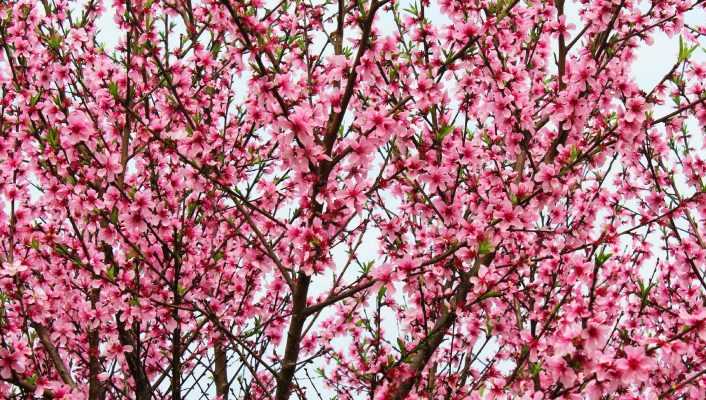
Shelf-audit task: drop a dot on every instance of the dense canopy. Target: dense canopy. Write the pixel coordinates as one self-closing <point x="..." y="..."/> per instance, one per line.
<point x="351" y="199"/>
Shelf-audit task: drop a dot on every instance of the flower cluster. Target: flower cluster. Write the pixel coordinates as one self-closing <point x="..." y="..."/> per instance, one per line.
<point x="379" y="199"/>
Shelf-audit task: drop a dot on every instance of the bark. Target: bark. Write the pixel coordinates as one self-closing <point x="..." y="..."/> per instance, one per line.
<point x="220" y="373"/>
<point x="143" y="390"/>
<point x="53" y="353"/>
<point x="291" y="352"/>
<point x="426" y="349"/>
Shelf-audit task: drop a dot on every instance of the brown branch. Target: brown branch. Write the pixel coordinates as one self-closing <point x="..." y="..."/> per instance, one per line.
<point x="428" y="346"/>
<point x="679" y="386"/>
<point x="143" y="390"/>
<point x="336" y="119"/>
<point x="125" y="139"/>
<point x="678" y="111"/>
<point x="53" y="353"/>
<point x="220" y="372"/>
<point x="27" y="386"/>
<point x="291" y="351"/>
<point x="301" y="289"/>
<point x="95" y="388"/>
<point x="336" y="298"/>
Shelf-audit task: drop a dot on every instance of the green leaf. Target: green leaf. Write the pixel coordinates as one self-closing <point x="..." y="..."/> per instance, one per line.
<point x="684" y="50"/>
<point x="514" y="199"/>
<point x="488" y="295"/>
<point x="412" y="9"/>
<point x="114" y="216"/>
<point x="602" y="257"/>
<point x="485" y="247"/>
<point x="644" y="289"/>
<point x="400" y="344"/>
<point x="486" y="139"/>
<point x="366" y="267"/>
<point x="443" y="132"/>
<point x="54" y="42"/>
<point x="535" y="368"/>
<point x="394" y="74"/>
<point x="62" y="250"/>
<point x="32" y="380"/>
<point x="113" y="89"/>
<point x="112" y="272"/>
<point x="216" y="48"/>
<point x="315" y="242"/>
<point x="575" y="364"/>
<point x="34" y="99"/>
<point x="574" y="154"/>
<point x="381" y="293"/>
<point x="53" y="137"/>
<point x="191" y="208"/>
<point x="488" y="327"/>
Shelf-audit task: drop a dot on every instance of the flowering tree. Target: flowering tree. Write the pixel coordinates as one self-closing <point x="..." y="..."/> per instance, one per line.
<point x="351" y="199"/>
